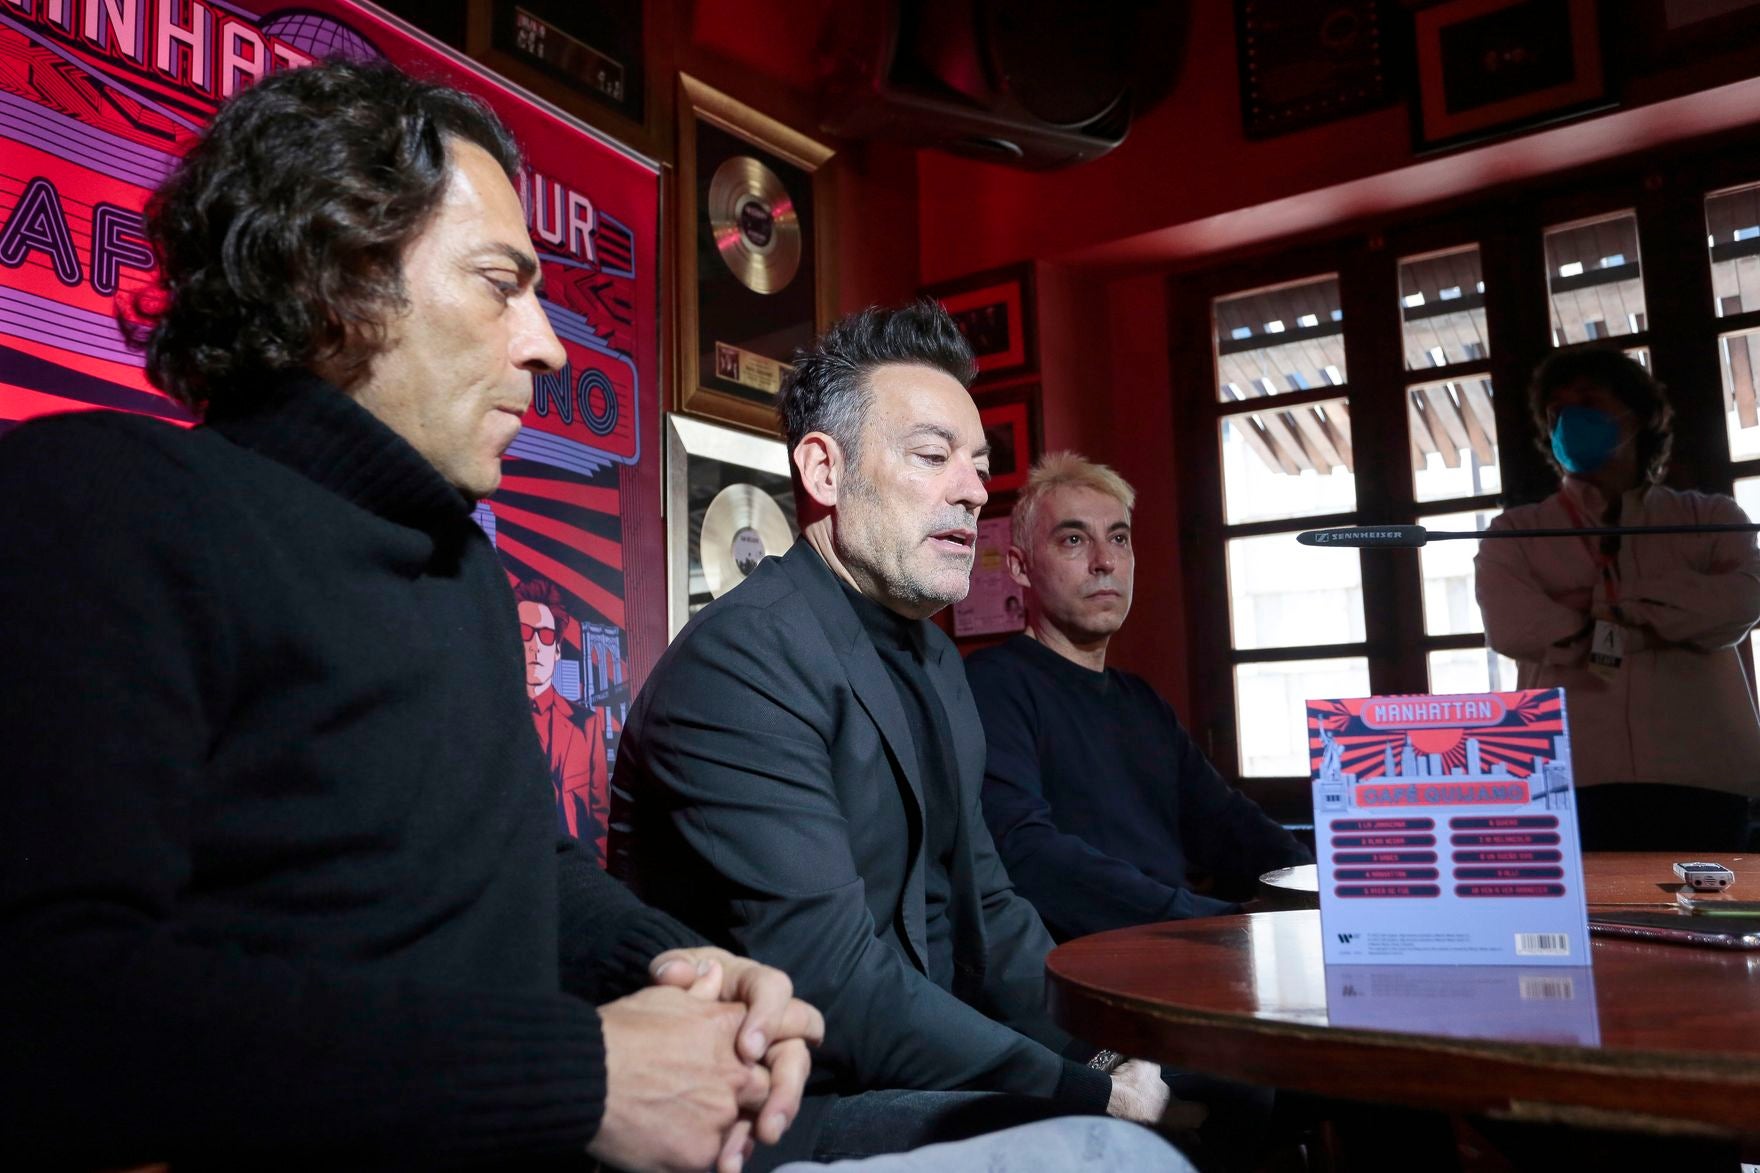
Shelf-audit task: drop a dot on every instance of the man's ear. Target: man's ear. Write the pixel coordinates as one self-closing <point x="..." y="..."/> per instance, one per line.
<point x="1017" y="567"/>
<point x="818" y="459"/>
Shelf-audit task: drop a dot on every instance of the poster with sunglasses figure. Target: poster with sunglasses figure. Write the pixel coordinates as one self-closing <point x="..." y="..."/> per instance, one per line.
<point x="134" y="83"/>
<point x="573" y="735"/>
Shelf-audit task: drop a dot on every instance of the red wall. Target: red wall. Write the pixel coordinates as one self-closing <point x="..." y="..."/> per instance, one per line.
<point x="1106" y="352"/>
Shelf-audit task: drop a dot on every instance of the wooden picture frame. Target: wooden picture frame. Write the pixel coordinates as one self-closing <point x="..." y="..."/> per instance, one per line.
<point x="1303" y="64"/>
<point x="995" y="309"/>
<point x="734" y="340"/>
<point x="543" y="46"/>
<point x="1494" y="67"/>
<point x="1010" y="416"/>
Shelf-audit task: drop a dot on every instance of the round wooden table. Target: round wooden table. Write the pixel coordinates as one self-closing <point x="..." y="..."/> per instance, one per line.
<point x="1614" y="879"/>
<point x="1674" y="1044"/>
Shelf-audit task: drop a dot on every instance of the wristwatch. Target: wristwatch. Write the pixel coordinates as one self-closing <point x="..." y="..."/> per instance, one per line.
<point x="1106" y="1061"/>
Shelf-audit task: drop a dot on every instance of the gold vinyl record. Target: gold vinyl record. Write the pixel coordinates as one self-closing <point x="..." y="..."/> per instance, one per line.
<point x="742" y="525"/>
<point x="756" y="229"/>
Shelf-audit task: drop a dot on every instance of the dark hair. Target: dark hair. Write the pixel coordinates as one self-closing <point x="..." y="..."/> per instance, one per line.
<point x="828" y="389"/>
<point x="1628" y="381"/>
<point x="545" y="593"/>
<point x="280" y="235"/>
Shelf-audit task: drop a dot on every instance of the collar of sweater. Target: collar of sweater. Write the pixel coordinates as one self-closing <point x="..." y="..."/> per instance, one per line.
<point x="1070" y="672"/>
<point x="307" y="424"/>
<point x="889" y="630"/>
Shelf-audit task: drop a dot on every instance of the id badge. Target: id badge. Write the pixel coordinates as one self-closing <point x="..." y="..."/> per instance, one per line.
<point x="1607" y="649"/>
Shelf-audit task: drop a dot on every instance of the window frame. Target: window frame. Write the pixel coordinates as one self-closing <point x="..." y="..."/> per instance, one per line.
<point x="1665" y="191"/>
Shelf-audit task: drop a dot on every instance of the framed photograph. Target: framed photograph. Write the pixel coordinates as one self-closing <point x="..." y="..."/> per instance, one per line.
<point x="1492" y="67"/>
<point x="1303" y="64"/>
<point x="589" y="59"/>
<point x="729" y="503"/>
<point x="996" y="604"/>
<point x="995" y="310"/>
<point x="754" y="249"/>
<point x="1010" y="416"/>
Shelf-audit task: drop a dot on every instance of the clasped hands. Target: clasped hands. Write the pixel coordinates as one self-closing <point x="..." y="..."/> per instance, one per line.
<point x="712" y="1059"/>
<point x="708" y="1061"/>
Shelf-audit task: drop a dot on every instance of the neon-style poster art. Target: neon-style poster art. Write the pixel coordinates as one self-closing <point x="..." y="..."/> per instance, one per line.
<point x="1372" y="737"/>
<point x="98" y="100"/>
<point x="1445" y="830"/>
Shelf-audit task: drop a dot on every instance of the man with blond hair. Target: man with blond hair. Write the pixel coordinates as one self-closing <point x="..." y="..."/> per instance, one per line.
<point x="1096" y="795"/>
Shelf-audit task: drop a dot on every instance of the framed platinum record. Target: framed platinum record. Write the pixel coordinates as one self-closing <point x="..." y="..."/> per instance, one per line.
<point x="729" y="504"/>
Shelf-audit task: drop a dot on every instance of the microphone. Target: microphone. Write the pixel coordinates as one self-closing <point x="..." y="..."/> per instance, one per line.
<point x="1370" y="537"/>
<point x="1367" y="536"/>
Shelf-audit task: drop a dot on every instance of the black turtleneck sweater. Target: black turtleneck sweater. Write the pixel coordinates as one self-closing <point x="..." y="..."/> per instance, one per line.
<point x="279" y="875"/>
<point x="900" y="643"/>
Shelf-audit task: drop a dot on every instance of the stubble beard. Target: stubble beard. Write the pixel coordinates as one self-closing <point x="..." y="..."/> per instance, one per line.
<point x="889" y="560"/>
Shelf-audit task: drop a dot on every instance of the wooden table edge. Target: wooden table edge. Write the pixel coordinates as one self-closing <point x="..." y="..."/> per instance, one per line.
<point x="1681" y="1093"/>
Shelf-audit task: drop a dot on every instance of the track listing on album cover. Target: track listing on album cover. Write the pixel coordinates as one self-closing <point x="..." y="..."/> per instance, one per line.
<point x="1445" y="830"/>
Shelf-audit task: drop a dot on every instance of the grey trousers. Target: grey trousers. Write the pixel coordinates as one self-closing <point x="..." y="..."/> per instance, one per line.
<point x="1064" y="1145"/>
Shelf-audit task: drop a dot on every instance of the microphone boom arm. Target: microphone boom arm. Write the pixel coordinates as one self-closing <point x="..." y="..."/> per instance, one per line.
<point x="1413" y="536"/>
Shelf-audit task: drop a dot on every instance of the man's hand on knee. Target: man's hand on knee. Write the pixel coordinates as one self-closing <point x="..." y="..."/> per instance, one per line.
<point x="1138" y="1093"/>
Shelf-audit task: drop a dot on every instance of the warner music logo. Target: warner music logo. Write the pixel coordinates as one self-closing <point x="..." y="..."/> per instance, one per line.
<point x="1347" y="938"/>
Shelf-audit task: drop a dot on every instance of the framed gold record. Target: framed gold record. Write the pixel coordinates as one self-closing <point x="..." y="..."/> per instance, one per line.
<point x="754" y="250"/>
<point x="729" y="504"/>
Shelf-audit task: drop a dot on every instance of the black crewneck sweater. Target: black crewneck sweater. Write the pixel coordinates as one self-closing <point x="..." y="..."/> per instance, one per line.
<point x="279" y="876"/>
<point x="1098" y="798"/>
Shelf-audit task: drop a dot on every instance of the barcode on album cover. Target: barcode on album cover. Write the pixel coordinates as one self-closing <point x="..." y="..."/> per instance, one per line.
<point x="1547" y="987"/>
<point x="1543" y="944"/>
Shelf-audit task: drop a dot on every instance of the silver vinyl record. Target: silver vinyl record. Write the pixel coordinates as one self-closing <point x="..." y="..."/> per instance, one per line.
<point x="742" y="525"/>
<point x="756" y="229"/>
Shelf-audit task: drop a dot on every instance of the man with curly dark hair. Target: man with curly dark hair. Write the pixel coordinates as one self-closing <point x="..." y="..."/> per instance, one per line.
<point x="296" y="894"/>
<point x="297" y="898"/>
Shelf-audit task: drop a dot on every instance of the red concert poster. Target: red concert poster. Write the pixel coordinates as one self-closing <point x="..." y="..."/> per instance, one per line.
<point x="98" y="98"/>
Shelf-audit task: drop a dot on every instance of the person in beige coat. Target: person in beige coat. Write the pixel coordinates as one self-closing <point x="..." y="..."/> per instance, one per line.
<point x="1641" y="631"/>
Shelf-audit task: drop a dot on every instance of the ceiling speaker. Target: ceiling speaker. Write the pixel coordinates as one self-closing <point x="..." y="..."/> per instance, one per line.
<point x="1037" y="84"/>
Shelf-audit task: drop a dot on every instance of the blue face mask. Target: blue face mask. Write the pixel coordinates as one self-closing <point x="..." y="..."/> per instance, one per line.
<point x="1583" y="438"/>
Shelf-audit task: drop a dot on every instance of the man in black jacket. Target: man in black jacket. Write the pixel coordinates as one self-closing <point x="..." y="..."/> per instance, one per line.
<point x="279" y="874"/>
<point x="1095" y="792"/>
<point x="799" y="777"/>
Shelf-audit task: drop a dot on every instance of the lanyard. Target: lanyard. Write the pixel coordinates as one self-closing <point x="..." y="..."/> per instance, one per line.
<point x="1604" y="561"/>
